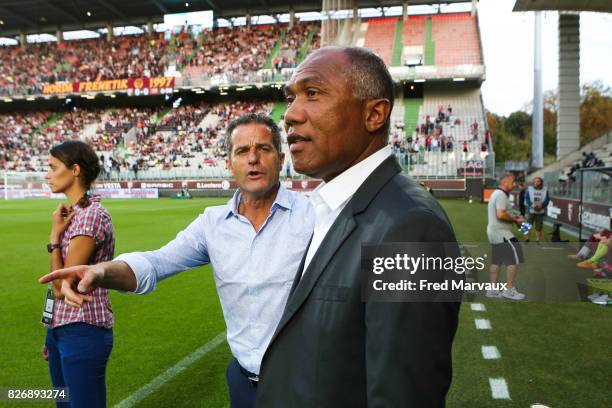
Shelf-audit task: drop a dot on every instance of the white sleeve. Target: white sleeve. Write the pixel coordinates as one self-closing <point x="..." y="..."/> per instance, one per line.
<point x="188" y="250"/>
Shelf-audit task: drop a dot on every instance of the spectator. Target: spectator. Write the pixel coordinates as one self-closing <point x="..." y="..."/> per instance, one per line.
<point x="536" y="201"/>
<point x="601" y="251"/>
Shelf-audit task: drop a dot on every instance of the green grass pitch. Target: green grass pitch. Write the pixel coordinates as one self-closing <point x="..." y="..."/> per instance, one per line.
<point x="556" y="354"/>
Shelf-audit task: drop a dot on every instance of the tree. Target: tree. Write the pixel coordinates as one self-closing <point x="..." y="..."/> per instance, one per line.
<point x="519" y="124"/>
<point x="595" y="111"/>
<point x="551" y="107"/>
<point x="512" y="135"/>
<point x="508" y="146"/>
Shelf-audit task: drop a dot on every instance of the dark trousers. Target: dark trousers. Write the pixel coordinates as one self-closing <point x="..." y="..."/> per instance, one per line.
<point x="242" y="390"/>
<point x="78" y="354"/>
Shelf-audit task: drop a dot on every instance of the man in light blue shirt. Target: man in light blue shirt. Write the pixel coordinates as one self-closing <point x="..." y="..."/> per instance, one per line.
<point x="254" y="244"/>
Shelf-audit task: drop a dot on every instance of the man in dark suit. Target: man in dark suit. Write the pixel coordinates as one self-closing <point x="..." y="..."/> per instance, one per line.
<point x="330" y="348"/>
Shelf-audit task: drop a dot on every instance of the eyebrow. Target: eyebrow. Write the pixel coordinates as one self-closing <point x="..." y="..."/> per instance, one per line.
<point x="314" y="79"/>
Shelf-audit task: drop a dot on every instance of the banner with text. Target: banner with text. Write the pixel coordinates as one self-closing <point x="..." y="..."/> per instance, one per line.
<point x="132" y="86"/>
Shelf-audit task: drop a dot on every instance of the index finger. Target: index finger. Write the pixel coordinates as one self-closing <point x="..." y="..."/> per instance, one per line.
<point x="60" y="274"/>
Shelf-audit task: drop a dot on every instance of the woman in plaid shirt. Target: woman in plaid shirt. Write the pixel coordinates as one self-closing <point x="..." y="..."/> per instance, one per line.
<point x="80" y="338"/>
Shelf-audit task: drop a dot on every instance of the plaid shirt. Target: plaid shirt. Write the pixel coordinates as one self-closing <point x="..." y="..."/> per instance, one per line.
<point x="95" y="222"/>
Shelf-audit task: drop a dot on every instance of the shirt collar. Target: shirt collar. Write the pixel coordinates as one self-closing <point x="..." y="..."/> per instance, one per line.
<point x="283" y="200"/>
<point x="503" y="191"/>
<point x="343" y="186"/>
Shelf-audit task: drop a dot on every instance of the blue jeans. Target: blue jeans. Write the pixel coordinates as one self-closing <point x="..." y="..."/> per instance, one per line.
<point x="78" y="354"/>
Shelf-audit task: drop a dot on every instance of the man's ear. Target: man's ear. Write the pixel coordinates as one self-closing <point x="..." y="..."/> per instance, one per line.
<point x="228" y="163"/>
<point x="376" y="112"/>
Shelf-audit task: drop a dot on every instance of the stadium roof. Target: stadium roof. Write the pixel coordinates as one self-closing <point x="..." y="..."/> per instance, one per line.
<point x="46" y="16"/>
<point x="604" y="6"/>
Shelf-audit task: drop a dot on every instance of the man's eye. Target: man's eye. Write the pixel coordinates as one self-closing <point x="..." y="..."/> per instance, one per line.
<point x="290" y="99"/>
<point x="312" y="92"/>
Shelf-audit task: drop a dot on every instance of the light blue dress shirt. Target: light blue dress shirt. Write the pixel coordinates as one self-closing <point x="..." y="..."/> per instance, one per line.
<point x="253" y="271"/>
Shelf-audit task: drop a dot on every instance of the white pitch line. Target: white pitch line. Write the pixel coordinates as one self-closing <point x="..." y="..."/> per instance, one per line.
<point x="478" y="307"/>
<point x="499" y="388"/>
<point x="170" y="373"/>
<point x="490" y="352"/>
<point x="553" y="248"/>
<point x="482" y="324"/>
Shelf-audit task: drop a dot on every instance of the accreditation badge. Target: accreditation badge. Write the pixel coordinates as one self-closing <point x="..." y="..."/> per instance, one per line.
<point x="47" y="314"/>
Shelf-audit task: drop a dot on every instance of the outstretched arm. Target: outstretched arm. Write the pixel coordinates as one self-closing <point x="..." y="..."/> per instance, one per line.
<point x="136" y="272"/>
<point x="81" y="280"/>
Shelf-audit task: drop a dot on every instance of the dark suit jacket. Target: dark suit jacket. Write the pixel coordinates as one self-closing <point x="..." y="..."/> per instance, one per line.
<point x="330" y="348"/>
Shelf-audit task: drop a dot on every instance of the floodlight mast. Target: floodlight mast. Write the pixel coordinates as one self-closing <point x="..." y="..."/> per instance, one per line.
<point x="537" y="138"/>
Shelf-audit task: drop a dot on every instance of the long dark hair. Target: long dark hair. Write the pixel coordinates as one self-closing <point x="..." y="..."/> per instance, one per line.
<point x="76" y="152"/>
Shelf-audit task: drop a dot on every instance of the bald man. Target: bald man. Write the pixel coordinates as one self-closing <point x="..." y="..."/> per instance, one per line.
<point x="505" y="248"/>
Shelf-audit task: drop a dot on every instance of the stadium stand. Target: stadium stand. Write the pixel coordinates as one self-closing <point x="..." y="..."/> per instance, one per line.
<point x="189" y="136"/>
<point x="221" y="52"/>
<point x="25" y="71"/>
<point x="295" y="44"/>
<point x="413" y="34"/>
<point x="155" y="139"/>
<point x="267" y="47"/>
<point x="442" y="39"/>
<point x="464" y="128"/>
<point x="379" y="37"/>
<point x="601" y="157"/>
<point x="456" y="39"/>
<point x="17" y="149"/>
<point x="218" y="52"/>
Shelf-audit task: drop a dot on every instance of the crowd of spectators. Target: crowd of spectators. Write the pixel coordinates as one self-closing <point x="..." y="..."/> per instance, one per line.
<point x="441" y="133"/>
<point x="181" y="139"/>
<point x="596" y="255"/>
<point x="429" y="135"/>
<point x="25" y="139"/>
<point x="231" y="51"/>
<point x="292" y="42"/>
<point x="126" y="138"/>
<point x="25" y="70"/>
<point x="167" y="143"/>
<point x="235" y="53"/>
<point x="411" y="149"/>
<point x="589" y="160"/>
<point x="114" y="125"/>
<point x="19" y="151"/>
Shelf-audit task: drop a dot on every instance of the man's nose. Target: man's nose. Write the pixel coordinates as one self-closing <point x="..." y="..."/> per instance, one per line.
<point x="295" y="114"/>
<point x="253" y="156"/>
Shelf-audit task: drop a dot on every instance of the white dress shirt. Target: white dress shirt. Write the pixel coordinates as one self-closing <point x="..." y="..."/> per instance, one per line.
<point x="253" y="270"/>
<point x="329" y="199"/>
